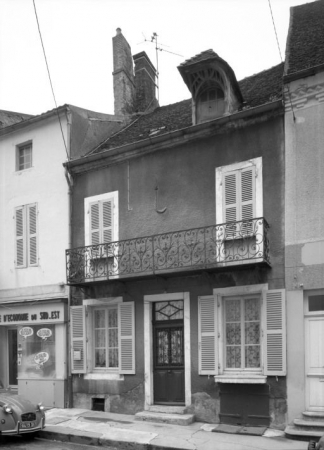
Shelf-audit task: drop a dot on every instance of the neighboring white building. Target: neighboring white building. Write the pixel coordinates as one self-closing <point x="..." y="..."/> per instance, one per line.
<point x="34" y="233"/>
<point x="304" y="219"/>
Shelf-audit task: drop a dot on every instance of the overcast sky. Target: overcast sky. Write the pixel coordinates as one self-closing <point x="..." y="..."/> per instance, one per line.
<point x="77" y="36"/>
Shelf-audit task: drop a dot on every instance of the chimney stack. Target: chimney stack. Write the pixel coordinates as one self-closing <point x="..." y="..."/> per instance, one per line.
<point x="123" y="74"/>
<point x="145" y="83"/>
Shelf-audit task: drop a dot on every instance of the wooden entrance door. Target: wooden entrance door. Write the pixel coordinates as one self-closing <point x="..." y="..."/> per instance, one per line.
<point x="315" y="363"/>
<point x="168" y="353"/>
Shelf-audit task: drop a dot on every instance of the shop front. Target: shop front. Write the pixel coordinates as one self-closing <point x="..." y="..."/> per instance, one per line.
<point x="33" y="350"/>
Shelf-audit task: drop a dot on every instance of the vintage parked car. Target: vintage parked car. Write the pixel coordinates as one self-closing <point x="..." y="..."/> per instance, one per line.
<point x="18" y="415"/>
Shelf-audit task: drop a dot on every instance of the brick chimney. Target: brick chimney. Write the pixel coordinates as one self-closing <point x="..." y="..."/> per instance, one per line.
<point x="123" y="75"/>
<point x="145" y="83"/>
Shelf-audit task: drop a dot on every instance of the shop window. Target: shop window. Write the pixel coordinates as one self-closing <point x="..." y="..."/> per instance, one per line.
<point x="24" y="156"/>
<point x="103" y="338"/>
<point x="242" y="333"/>
<point x="26" y="230"/>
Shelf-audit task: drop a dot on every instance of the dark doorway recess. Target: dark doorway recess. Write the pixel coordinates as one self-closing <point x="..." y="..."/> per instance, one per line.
<point x="243" y="404"/>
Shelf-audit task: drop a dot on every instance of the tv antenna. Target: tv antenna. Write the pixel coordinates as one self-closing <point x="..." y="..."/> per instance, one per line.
<point x="158" y="47"/>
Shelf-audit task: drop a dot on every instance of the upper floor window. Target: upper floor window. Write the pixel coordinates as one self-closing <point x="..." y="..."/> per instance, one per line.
<point x="24" y="156"/>
<point x="26" y="235"/>
<point x="101" y="218"/>
<point x="210" y="104"/>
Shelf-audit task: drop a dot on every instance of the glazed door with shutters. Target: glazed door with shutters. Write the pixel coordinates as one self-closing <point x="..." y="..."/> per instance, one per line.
<point x="168" y="352"/>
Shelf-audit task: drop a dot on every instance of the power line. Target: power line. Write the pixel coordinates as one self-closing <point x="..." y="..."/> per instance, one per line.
<point x="50" y="80"/>
<point x="275" y="30"/>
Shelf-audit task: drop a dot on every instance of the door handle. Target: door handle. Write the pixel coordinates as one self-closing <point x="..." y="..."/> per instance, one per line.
<point x="169" y="371"/>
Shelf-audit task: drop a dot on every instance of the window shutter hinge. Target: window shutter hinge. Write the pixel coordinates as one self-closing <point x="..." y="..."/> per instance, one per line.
<point x="87" y="340"/>
<point x="219" y="366"/>
<point x="218" y="304"/>
<point x="218" y="335"/>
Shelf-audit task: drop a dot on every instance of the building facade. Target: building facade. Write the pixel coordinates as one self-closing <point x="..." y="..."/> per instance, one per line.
<point x="34" y="233"/>
<point x="177" y="263"/>
<point x="304" y="218"/>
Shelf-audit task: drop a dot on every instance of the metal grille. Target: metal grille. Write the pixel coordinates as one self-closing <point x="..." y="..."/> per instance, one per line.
<point x="198" y="249"/>
<point x="28" y="417"/>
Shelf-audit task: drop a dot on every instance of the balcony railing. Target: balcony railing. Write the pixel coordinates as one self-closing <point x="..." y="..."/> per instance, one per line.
<point x="224" y="245"/>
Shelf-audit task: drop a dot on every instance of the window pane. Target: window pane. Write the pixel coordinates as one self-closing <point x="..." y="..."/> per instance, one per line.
<point x="112" y="318"/>
<point x="252" y="309"/>
<point x="252" y="356"/>
<point x="316" y="303"/>
<point x="113" y="338"/>
<point x="233" y="357"/>
<point x="233" y="310"/>
<point x="99" y="318"/>
<point x="113" y="357"/>
<point x="233" y="334"/>
<point x="100" y="338"/>
<point x="252" y="333"/>
<point x="100" y="358"/>
<point x="24" y="157"/>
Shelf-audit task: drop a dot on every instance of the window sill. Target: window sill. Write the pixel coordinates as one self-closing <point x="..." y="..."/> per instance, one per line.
<point x="241" y="379"/>
<point x="104" y="376"/>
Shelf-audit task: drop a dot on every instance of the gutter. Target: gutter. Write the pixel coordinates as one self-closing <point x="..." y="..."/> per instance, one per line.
<point x="120" y="154"/>
<point x="303" y="73"/>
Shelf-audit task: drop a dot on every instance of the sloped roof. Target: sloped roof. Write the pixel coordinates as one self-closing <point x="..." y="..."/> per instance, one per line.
<point x="257" y="90"/>
<point x="305" y="42"/>
<point x="8" y="118"/>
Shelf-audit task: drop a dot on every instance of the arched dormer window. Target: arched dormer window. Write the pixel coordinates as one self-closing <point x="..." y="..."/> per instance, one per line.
<point x="210" y="103"/>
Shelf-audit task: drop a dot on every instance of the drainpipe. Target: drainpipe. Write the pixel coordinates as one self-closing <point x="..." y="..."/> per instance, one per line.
<point x="69" y="180"/>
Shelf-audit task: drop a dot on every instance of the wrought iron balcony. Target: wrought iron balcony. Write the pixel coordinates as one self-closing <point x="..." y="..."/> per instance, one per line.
<point x="216" y="246"/>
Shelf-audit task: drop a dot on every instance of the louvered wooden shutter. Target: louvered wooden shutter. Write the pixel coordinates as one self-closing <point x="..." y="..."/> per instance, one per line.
<point x="126" y="331"/>
<point x="20" y="237"/>
<point x="247" y="195"/>
<point x="207" y="336"/>
<point x="94" y="224"/>
<point x="32" y="234"/>
<point x="107" y="218"/>
<point x="274" y="305"/>
<point x="78" y="340"/>
<point x="231" y="197"/>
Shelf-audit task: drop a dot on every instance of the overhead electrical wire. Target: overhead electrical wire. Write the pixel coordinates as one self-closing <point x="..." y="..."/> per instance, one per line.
<point x="275" y="30"/>
<point x="50" y="80"/>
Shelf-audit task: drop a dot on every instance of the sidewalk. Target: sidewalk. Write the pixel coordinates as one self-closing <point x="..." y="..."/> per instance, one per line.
<point x="124" y="432"/>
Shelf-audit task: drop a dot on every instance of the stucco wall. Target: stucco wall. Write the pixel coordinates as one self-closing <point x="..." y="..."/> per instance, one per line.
<point x="45" y="184"/>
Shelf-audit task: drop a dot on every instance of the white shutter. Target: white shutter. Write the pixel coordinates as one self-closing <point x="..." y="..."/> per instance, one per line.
<point x="247" y="195"/>
<point x="20" y="237"/>
<point x="94" y="224"/>
<point x="231" y="197"/>
<point x="126" y="331"/>
<point x="107" y="219"/>
<point x="78" y="340"/>
<point x="274" y="306"/>
<point x="207" y="336"/>
<point x="32" y="234"/>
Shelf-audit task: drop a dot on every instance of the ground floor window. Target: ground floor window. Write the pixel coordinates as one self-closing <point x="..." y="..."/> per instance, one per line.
<point x="106" y="338"/>
<point x="242" y="332"/>
<point x="103" y="337"/>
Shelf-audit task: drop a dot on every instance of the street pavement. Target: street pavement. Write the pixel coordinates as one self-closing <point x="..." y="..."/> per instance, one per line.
<point x="122" y="431"/>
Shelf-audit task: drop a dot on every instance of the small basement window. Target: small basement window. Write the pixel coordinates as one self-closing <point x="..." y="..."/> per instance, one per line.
<point x="98" y="404"/>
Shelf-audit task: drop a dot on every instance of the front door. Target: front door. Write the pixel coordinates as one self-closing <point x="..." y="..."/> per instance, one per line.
<point x="168" y="353"/>
<point x="12" y="357"/>
<point x="315" y="363"/>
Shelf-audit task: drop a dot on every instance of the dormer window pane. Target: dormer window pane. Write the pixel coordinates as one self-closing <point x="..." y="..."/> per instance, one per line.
<point x="210" y="104"/>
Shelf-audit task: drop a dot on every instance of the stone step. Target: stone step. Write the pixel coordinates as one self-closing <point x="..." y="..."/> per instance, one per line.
<point x="309" y="424"/>
<point x="302" y="434"/>
<point x="314" y="416"/>
<point x="160" y="417"/>
<point x="167" y="409"/>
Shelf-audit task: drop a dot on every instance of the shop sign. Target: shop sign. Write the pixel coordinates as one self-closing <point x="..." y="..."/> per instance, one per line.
<point x="26" y="331"/>
<point x="41" y="358"/>
<point x="44" y="313"/>
<point x="44" y="333"/>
